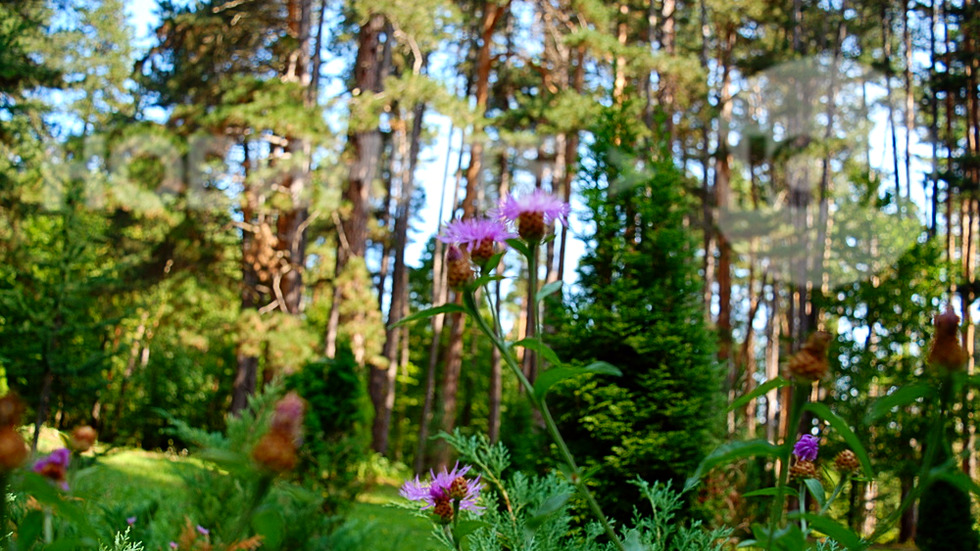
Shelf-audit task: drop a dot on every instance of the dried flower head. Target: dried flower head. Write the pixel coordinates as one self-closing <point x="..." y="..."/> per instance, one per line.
<point x="11" y="409"/>
<point x="534" y="213"/>
<point x="275" y="452"/>
<point x="803" y="469"/>
<point x="443" y="490"/>
<point x="459" y="272"/>
<point x="847" y="462"/>
<point x="13" y="449"/>
<point x="810" y="362"/>
<point x="55" y="466"/>
<point x="83" y="438"/>
<point x="946" y="351"/>
<point x="806" y="447"/>
<point x="478" y="236"/>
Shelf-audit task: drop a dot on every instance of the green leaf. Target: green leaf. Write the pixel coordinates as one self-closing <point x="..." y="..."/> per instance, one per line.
<point x="549" y="507"/>
<point x="816" y="490"/>
<point x="483" y="280"/>
<point x="429" y="312"/>
<point x="952" y="474"/>
<point x="268" y="524"/>
<point x="63" y="544"/>
<point x="765" y="387"/>
<point x="771" y="492"/>
<point x="519" y="246"/>
<point x="901" y="397"/>
<point x="728" y="452"/>
<point x="548" y="289"/>
<point x="29" y="529"/>
<point x="823" y="412"/>
<point x="840" y="534"/>
<point x="467" y="527"/>
<point x="549" y="377"/>
<point x="545" y="351"/>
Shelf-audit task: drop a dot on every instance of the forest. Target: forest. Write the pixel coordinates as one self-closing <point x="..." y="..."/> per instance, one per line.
<point x="489" y="275"/>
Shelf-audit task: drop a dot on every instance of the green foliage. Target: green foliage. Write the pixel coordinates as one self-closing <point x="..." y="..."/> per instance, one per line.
<point x="638" y="310"/>
<point x="121" y="543"/>
<point x="945" y="519"/>
<point x="336" y="436"/>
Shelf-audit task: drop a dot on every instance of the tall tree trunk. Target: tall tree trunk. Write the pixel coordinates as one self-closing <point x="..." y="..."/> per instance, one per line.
<point x="492" y="15"/>
<point x="384" y="396"/>
<point x="723" y="161"/>
<point x="365" y="145"/>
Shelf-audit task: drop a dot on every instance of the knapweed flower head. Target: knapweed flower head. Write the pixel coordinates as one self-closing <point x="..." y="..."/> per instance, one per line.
<point x="55" y="466"/>
<point x="946" y="351"/>
<point x="83" y="438"/>
<point x="459" y="272"/>
<point x="444" y="490"/>
<point x="534" y="213"/>
<point x="478" y="236"/>
<point x="13" y="449"/>
<point x="806" y="448"/>
<point x="288" y="416"/>
<point x="130" y="520"/>
<point x="803" y="469"/>
<point x="847" y="462"/>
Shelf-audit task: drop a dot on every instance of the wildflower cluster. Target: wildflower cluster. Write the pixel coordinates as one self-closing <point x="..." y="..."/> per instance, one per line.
<point x="446" y="493"/>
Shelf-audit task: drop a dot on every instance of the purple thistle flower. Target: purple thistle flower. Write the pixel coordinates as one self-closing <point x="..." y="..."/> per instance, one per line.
<point x="440" y="486"/>
<point x="534" y="213"/>
<point x="477" y="235"/>
<point x="202" y="530"/>
<point x="173" y="545"/>
<point x="806" y="447"/>
<point x="130" y="520"/>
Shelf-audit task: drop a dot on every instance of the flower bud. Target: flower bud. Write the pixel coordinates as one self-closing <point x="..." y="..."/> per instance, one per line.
<point x="946" y="351"/>
<point x="275" y="452"/>
<point x="13" y="449"/>
<point x="83" y="438"/>
<point x="847" y="462"/>
<point x="458" y="269"/>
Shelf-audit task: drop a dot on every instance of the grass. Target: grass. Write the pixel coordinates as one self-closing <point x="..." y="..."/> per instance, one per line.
<point x="391" y="528"/>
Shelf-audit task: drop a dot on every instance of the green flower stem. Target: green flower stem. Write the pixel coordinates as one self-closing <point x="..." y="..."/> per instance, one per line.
<point x="577" y="479"/>
<point x="48" y="526"/>
<point x="837" y="490"/>
<point x="801" y="392"/>
<point x="936" y="437"/>
<point x="262" y="487"/>
<point x="803" y="507"/>
<point x="454" y="532"/>
<point x="532" y="298"/>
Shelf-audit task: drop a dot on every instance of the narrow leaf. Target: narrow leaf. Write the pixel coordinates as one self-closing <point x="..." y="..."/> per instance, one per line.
<point x="765" y="387"/>
<point x="823" y="412"/>
<point x="771" y="492"/>
<point x="549" y="377"/>
<point x="483" y="280"/>
<point x="519" y="246"/>
<point x="901" y="397"/>
<point x="816" y="489"/>
<point x="840" y="534"/>
<point x="428" y="313"/>
<point x="548" y="289"/>
<point x="728" y="452"/>
<point x="532" y="343"/>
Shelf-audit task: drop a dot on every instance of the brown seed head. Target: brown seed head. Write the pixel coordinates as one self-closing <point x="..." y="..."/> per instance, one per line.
<point x="810" y="362"/>
<point x="803" y="469"/>
<point x="444" y="509"/>
<point x="83" y="438"/>
<point x="459" y="272"/>
<point x="531" y="227"/>
<point x="275" y="452"/>
<point x="458" y="489"/>
<point x="847" y="462"/>
<point x="946" y="351"/>
<point x="11" y="409"/>
<point x="13" y="449"/>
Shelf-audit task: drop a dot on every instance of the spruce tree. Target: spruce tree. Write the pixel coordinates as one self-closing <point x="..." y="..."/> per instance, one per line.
<point x="638" y="308"/>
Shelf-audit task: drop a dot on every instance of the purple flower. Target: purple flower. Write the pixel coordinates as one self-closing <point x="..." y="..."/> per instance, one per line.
<point x="443" y="488"/>
<point x="534" y="213"/>
<point x="202" y="530"/>
<point x="130" y="520"/>
<point x="477" y="235"/>
<point x="55" y="466"/>
<point x="806" y="448"/>
<point x="173" y="545"/>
